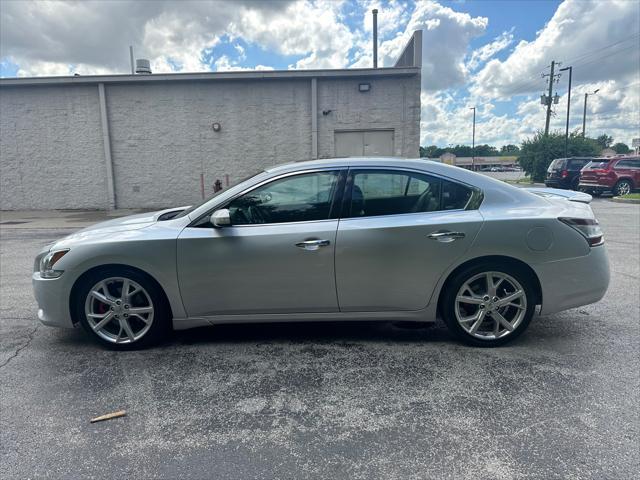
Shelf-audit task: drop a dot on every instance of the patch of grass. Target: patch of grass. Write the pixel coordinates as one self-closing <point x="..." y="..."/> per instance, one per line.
<point x="520" y="181"/>
<point x="631" y="196"/>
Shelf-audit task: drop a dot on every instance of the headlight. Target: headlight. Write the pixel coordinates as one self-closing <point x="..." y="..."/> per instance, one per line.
<point x="48" y="261"/>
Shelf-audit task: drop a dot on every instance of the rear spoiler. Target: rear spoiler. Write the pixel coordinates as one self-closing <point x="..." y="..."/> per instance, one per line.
<point x="570" y="195"/>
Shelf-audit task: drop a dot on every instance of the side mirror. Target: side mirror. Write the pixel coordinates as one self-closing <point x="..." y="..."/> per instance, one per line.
<point x="221" y="218"/>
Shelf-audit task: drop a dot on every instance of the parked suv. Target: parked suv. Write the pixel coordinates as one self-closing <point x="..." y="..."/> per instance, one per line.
<point x="617" y="175"/>
<point x="565" y="172"/>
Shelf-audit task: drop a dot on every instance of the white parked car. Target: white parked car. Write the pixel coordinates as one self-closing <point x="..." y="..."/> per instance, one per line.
<point x="346" y="239"/>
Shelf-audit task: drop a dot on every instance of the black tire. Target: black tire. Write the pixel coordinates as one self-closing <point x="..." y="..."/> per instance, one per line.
<point x="161" y="323"/>
<point x="454" y="284"/>
<point x="622" y="188"/>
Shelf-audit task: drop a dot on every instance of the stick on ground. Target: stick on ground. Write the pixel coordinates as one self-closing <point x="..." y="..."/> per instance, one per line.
<point x="109" y="416"/>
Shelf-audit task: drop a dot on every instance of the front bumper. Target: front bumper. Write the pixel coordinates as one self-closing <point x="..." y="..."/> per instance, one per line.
<point x="574" y="282"/>
<point x="52" y="296"/>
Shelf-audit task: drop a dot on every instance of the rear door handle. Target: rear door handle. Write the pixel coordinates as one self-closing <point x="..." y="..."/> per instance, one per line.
<point x="313" y="244"/>
<point x="446" y="237"/>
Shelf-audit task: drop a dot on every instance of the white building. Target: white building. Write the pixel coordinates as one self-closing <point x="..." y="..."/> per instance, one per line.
<point x="142" y="141"/>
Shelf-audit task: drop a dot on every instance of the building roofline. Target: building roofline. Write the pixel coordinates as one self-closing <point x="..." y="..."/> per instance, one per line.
<point x="213" y="76"/>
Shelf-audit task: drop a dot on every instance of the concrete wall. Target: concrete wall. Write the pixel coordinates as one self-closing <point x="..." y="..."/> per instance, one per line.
<point x="162" y="141"/>
<point x="390" y="104"/>
<point x="51" y="150"/>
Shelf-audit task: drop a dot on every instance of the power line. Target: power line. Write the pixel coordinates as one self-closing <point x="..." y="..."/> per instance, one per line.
<point x="591" y="52"/>
<point x="608" y="55"/>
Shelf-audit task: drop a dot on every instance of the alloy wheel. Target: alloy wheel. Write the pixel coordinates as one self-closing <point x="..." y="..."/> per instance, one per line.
<point x="623" y="188"/>
<point x="490" y="305"/>
<point x="119" y="310"/>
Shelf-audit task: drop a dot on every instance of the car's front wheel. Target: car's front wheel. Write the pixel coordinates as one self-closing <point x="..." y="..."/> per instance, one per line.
<point x="488" y="305"/>
<point x="122" y="309"/>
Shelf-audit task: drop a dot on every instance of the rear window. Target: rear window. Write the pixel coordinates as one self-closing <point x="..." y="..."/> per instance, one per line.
<point x="557" y="164"/>
<point x="578" y="163"/>
<point x="597" y="165"/>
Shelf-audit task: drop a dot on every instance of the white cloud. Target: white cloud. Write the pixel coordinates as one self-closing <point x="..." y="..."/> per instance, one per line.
<point x="446" y="37"/>
<point x="597" y="38"/>
<point x="306" y="28"/>
<point x="575" y="35"/>
<point x="225" y="64"/>
<point x="487" y="51"/>
<point x="47" y="37"/>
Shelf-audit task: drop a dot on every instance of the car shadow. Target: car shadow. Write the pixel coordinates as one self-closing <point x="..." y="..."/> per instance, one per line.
<point x="305" y="332"/>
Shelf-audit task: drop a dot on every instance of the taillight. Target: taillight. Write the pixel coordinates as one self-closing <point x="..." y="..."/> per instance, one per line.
<point x="588" y="227"/>
<point x="564" y="174"/>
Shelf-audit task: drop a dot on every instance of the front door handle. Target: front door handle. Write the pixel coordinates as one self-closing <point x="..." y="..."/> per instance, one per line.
<point x="313" y="244"/>
<point x="445" y="237"/>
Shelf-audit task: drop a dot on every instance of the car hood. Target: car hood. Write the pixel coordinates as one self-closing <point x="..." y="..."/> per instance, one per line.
<point x="116" y="225"/>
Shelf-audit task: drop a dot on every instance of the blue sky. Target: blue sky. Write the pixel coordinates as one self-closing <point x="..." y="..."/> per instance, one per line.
<point x="488" y="54"/>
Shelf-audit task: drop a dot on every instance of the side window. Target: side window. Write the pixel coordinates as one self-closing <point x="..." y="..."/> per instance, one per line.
<point x="622" y="165"/>
<point x="628" y="164"/>
<point x="454" y="196"/>
<point x="298" y="198"/>
<point x="383" y="192"/>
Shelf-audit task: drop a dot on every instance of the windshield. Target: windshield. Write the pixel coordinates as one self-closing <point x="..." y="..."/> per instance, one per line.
<point x="198" y="205"/>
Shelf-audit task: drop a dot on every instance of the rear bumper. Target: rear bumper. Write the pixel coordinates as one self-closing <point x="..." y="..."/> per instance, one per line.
<point x="574" y="282"/>
<point x="556" y="183"/>
<point x="52" y="296"/>
<point x="596" y="187"/>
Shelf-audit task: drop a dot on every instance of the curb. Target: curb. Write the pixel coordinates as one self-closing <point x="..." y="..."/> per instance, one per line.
<point x="625" y="200"/>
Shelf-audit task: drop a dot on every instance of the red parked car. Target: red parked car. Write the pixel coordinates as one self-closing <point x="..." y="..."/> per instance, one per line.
<point x="618" y="175"/>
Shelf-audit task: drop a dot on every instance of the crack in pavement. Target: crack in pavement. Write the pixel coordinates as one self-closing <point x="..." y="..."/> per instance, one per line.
<point x="30" y="336"/>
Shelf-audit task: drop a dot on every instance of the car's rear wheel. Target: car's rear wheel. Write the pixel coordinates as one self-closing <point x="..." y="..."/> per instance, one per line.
<point x="122" y="309"/>
<point x="623" y="187"/>
<point x="488" y="305"/>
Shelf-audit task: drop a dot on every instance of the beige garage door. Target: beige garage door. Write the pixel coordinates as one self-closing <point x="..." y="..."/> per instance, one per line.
<point x="375" y="143"/>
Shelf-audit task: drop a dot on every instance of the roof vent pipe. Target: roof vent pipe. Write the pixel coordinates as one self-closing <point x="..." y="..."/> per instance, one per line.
<point x="375" y="37"/>
<point x="143" y="66"/>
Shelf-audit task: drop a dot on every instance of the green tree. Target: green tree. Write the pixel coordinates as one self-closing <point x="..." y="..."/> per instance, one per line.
<point x="621" y="147"/>
<point x="507" y="150"/>
<point x="485" y="151"/>
<point x="604" y="140"/>
<point x="537" y="152"/>
<point x="431" y="151"/>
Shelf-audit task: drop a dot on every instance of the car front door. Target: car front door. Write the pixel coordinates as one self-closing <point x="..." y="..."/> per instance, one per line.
<point x="400" y="230"/>
<point x="277" y="256"/>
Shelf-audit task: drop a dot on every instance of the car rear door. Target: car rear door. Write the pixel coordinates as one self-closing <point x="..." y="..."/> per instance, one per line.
<point x="399" y="231"/>
<point x="277" y="256"/>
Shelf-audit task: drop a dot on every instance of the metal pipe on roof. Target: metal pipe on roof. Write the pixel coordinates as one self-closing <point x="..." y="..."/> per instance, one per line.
<point x="375" y="37"/>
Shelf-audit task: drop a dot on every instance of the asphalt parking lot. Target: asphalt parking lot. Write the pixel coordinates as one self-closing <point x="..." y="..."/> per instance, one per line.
<point x="328" y="400"/>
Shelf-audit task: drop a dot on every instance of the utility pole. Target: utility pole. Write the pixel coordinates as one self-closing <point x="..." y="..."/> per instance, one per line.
<point x="584" y="112"/>
<point x="566" y="133"/>
<point x="473" y="141"/>
<point x="549" y="98"/>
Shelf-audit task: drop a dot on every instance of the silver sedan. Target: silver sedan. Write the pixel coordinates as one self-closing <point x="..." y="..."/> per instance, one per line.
<point x="347" y="239"/>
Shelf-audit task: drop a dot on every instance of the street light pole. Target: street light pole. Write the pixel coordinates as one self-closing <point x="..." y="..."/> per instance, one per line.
<point x="566" y="133"/>
<point x="584" y="113"/>
<point x="473" y="141"/>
